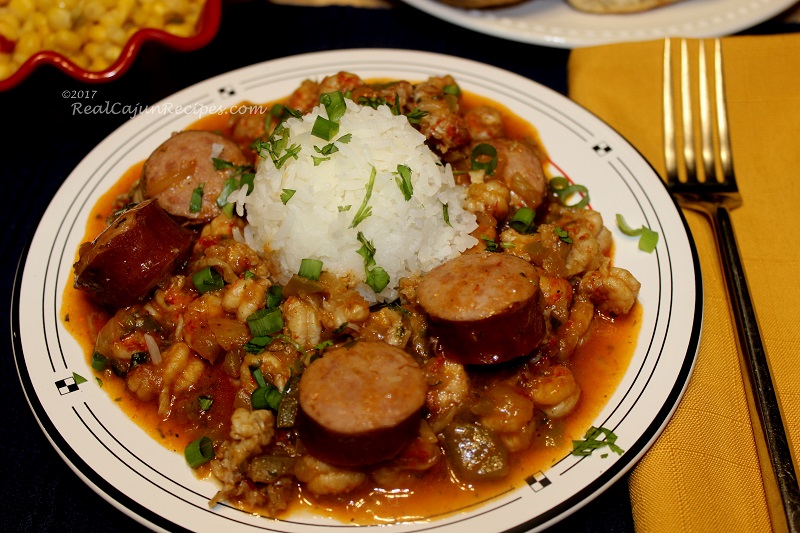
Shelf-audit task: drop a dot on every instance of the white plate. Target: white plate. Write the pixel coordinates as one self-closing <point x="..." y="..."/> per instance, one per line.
<point x="136" y="474"/>
<point x="554" y="23"/>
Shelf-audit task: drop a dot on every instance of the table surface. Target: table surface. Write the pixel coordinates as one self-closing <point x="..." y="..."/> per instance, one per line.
<point x="43" y="142"/>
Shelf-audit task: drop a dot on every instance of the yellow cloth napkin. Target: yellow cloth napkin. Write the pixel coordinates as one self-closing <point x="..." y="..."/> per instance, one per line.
<point x="703" y="474"/>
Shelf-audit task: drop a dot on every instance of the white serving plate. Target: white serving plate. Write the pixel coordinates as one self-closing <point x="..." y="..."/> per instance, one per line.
<point x="153" y="485"/>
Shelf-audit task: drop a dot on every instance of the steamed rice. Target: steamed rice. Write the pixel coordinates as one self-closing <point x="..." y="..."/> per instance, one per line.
<point x="409" y="237"/>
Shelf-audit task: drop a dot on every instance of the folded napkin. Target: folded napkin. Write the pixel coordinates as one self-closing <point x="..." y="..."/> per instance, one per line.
<point x="708" y="471"/>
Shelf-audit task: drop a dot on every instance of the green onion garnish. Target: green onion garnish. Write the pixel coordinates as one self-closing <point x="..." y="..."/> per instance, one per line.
<point x="364" y="211"/>
<point x="207" y="280"/>
<point x="274" y="296"/>
<point x="564" y="189"/>
<point x="446" y="215"/>
<point x="479" y="157"/>
<point x="196" y="203"/>
<point x="455" y="90"/>
<point x="403" y="181"/>
<point x="324" y="129"/>
<point x="310" y="269"/>
<point x="258" y="376"/>
<point x="265" y="322"/>
<point x="99" y="361"/>
<point x="334" y="105"/>
<point x="648" y="239"/>
<point x="522" y="219"/>
<point x="199" y="452"/>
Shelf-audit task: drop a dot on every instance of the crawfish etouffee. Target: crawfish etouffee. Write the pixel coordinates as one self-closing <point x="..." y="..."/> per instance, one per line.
<point x="360" y="291"/>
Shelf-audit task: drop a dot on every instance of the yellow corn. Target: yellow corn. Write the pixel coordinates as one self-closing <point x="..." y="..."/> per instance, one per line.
<point x="91" y="33"/>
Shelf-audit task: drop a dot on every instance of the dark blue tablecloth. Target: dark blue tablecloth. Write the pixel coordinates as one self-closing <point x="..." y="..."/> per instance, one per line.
<point x="43" y="142"/>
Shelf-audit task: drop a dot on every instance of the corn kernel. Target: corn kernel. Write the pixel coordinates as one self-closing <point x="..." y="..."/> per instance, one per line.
<point x="97" y="33"/>
<point x="59" y="18"/>
<point x="93" y="10"/>
<point x="28" y="44"/>
<point x="9" y="31"/>
<point x="68" y="41"/>
<point x="22" y="8"/>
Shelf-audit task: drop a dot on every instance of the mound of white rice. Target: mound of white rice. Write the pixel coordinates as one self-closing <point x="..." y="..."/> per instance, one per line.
<point x="409" y="236"/>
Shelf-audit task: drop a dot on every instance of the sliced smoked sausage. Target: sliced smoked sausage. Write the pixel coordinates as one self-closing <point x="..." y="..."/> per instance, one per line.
<point x="140" y="248"/>
<point x="183" y="163"/>
<point x="361" y="403"/>
<point x="483" y="308"/>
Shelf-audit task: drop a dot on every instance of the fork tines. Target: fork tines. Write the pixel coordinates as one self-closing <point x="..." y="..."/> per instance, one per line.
<point x="709" y="136"/>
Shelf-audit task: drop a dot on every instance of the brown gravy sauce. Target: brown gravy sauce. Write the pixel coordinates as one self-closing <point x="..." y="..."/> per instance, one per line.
<point x="598" y="366"/>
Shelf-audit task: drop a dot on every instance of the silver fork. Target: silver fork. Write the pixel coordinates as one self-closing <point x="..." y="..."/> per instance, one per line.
<point x="713" y="191"/>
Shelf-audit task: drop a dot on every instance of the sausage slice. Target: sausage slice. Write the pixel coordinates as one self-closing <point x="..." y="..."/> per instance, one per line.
<point x="361" y="403"/>
<point x="483" y="308"/>
<point x="183" y="163"/>
<point x="130" y="257"/>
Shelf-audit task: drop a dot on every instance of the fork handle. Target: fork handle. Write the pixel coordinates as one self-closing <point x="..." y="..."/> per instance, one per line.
<point x="758" y="369"/>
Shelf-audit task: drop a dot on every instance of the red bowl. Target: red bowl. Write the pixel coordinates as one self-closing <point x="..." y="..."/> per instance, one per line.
<point x="207" y="26"/>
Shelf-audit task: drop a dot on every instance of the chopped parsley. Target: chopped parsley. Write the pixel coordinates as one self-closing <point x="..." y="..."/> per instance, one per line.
<point x="591" y="442"/>
<point x="403" y="181"/>
<point x="365" y="210"/>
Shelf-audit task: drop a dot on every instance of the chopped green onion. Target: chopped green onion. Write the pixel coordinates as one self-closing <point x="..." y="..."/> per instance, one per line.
<point x="258" y="376"/>
<point x="564" y="189"/>
<point x="274" y="296"/>
<point x="345" y="139"/>
<point x="334" y="105"/>
<point x="365" y="211"/>
<point x="199" y="452"/>
<point x="265" y="322"/>
<point x="267" y="397"/>
<point x="404" y="181"/>
<point x="310" y="269"/>
<point x="196" y="203"/>
<point x="648" y="239"/>
<point x="286" y="195"/>
<point x="248" y="274"/>
<point x="205" y="402"/>
<point x="207" y="280"/>
<point x="324" y="129"/>
<point x="479" y="158"/>
<point x="446" y="214"/>
<point x="99" y="361"/>
<point x="455" y="90"/>
<point x="522" y="219"/>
